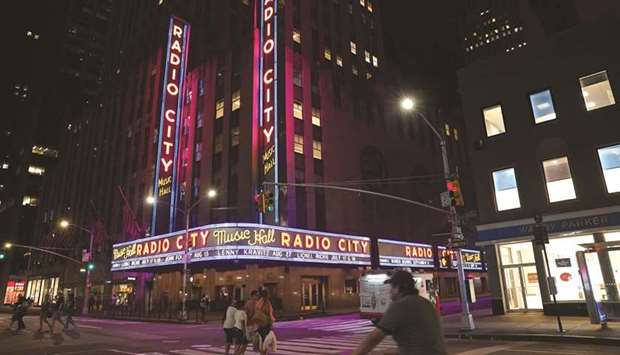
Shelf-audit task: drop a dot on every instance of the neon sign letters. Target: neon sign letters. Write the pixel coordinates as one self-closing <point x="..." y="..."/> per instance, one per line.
<point x="242" y="241"/>
<point x="472" y="259"/>
<point x="169" y="127"/>
<point x="268" y="83"/>
<point x="405" y="254"/>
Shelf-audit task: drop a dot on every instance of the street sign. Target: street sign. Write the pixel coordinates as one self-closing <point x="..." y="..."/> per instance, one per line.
<point x="445" y="199"/>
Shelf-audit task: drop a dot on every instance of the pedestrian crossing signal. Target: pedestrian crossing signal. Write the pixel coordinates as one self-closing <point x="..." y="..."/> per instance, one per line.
<point x="456" y="195"/>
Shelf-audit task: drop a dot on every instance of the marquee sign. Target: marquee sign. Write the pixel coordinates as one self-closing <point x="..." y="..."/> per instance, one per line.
<point x="169" y="127"/>
<point x="232" y="241"/>
<point x="472" y="259"/>
<point x="405" y="254"/>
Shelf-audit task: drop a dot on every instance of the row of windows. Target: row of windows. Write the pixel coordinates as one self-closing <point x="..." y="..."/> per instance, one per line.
<point x="298" y="147"/>
<point x="595" y="88"/>
<point x="298" y="113"/>
<point x="558" y="179"/>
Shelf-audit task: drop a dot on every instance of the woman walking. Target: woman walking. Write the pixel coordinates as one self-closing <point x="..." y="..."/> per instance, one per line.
<point x="57" y="309"/>
<point x="263" y="318"/>
<point x="46" y="312"/>
<point x="68" y="310"/>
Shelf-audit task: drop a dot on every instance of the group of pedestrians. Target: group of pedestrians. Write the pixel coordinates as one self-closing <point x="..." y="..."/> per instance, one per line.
<point x="250" y="322"/>
<point x="54" y="309"/>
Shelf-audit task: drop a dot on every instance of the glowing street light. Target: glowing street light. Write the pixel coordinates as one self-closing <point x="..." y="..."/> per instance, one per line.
<point x="211" y="193"/>
<point x="64" y="223"/>
<point x="407" y="104"/>
<point x="8" y="245"/>
<point x="151" y="200"/>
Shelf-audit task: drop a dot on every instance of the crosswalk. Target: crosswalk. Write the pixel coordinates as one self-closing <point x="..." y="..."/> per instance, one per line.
<point x="354" y="326"/>
<point x="337" y="344"/>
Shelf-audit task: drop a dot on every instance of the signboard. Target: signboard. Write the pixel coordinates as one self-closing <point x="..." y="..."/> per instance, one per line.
<point x="563" y="262"/>
<point x="268" y="94"/>
<point x="14" y="288"/>
<point x="164" y="188"/>
<point x="472" y="259"/>
<point x="232" y="241"/>
<point x="405" y="254"/>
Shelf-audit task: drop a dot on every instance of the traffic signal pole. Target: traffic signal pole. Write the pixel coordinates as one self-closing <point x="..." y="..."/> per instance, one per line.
<point x="88" y="271"/>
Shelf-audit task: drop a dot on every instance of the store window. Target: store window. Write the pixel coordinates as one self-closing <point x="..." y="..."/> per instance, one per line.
<point x="542" y="106"/>
<point x="559" y="180"/>
<point x="506" y="190"/>
<point x="596" y="91"/>
<point x="517" y="253"/>
<point x="563" y="265"/>
<point x="299" y="144"/>
<point x="610" y="163"/>
<point x="494" y="120"/>
<point x="350" y="286"/>
<point x="298" y="110"/>
<point x="612" y="237"/>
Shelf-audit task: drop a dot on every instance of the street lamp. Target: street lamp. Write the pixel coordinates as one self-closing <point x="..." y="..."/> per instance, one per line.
<point x="408" y="105"/>
<point x="211" y="194"/>
<point x="8" y="245"/>
<point x="65" y="224"/>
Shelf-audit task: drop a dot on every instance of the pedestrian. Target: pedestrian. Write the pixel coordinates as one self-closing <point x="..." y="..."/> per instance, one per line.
<point x="410" y="319"/>
<point x="263" y="320"/>
<point x="240" y="329"/>
<point x="204" y="305"/>
<point x="20" y="307"/>
<point x="91" y="303"/>
<point x="250" y="305"/>
<point x="45" y="313"/>
<point x="98" y="302"/>
<point x="58" y="309"/>
<point x="228" y="325"/>
<point x="68" y="310"/>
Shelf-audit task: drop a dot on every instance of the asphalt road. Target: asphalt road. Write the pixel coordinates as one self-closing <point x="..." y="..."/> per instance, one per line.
<point x="320" y="336"/>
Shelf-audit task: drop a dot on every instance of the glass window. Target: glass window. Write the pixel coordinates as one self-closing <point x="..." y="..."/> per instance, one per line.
<point x="327" y="53"/>
<point x="296" y="36"/>
<point x="354" y="70"/>
<point x="517" y="253"/>
<point x="317" y="150"/>
<point x="367" y="56"/>
<point x="363" y="2"/>
<point x="198" y="152"/>
<point x="299" y="144"/>
<point x="236" y="100"/>
<point x="298" y="110"/>
<point x="494" y="120"/>
<point x="610" y="163"/>
<point x="316" y="117"/>
<point x="563" y="266"/>
<point x="30" y="201"/>
<point x="353" y="47"/>
<point x="612" y="237"/>
<point x="36" y="170"/>
<point x="375" y="61"/>
<point x="559" y="180"/>
<point x="219" y="145"/>
<point x="596" y="91"/>
<point x="339" y="60"/>
<point x="369" y="5"/>
<point x="234" y="136"/>
<point x="219" y="108"/>
<point x="506" y="190"/>
<point x="542" y="106"/>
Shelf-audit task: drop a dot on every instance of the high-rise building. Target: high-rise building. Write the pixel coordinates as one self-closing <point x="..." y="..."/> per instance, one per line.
<point x="206" y="101"/>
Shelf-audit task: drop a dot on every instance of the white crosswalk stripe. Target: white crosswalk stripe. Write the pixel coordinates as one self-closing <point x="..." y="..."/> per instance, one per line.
<point x="352" y="326"/>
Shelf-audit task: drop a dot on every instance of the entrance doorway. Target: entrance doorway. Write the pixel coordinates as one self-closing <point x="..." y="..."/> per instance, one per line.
<point x="312" y="293"/>
<point x="522" y="289"/>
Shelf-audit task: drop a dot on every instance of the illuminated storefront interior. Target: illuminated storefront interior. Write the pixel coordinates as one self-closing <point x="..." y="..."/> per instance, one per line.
<point x="38" y="288"/>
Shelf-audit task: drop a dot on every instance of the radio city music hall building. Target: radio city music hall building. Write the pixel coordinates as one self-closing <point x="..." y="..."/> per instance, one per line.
<point x="227" y="96"/>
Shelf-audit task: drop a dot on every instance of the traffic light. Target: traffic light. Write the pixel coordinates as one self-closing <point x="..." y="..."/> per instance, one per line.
<point x="258" y="202"/>
<point x="446" y="260"/>
<point x="456" y="195"/>
<point x="90" y="266"/>
<point x="269" y="202"/>
<point x="2" y="254"/>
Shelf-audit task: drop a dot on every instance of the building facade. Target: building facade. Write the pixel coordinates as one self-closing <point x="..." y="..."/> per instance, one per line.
<point x="544" y="141"/>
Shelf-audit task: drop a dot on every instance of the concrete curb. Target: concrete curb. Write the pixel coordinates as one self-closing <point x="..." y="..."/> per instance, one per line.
<point x="579" y="339"/>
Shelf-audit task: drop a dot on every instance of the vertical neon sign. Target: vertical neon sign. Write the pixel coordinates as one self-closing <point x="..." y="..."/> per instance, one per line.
<point x="165" y="182"/>
<point x="268" y="120"/>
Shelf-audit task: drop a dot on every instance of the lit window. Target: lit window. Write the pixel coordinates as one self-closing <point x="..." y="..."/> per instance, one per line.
<point x="218" y="144"/>
<point x="5" y="166"/>
<point x="368" y="76"/>
<point x="559" y="180"/>
<point x="298" y="110"/>
<point x="339" y="60"/>
<point x="369" y="4"/>
<point x="456" y="134"/>
<point x="327" y="53"/>
<point x="316" y="117"/>
<point x="236" y="100"/>
<point x="447" y="129"/>
<point x="506" y="190"/>
<point x="30" y="201"/>
<point x="199" y="120"/>
<point x="296" y="36"/>
<point x="610" y="163"/>
<point x="317" y="150"/>
<point x="39" y="150"/>
<point x="219" y="108"/>
<point x="234" y="136"/>
<point x="375" y="61"/>
<point x="354" y="69"/>
<point x="36" y="170"/>
<point x="596" y="91"/>
<point x="299" y="144"/>
<point x="542" y="106"/>
<point x="363" y="2"/>
<point x="367" y="56"/>
<point x="494" y="120"/>
<point x="353" y="47"/>
<point x="198" y="152"/>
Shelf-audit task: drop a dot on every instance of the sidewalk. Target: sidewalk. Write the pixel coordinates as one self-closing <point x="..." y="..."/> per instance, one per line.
<point x="532" y="326"/>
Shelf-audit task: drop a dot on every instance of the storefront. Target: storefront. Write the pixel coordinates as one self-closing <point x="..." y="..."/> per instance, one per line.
<point x="518" y="271"/>
<point x="38" y="288"/>
<point x="14" y="288"/>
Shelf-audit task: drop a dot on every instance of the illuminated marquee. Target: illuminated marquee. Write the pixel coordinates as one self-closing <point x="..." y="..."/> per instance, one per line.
<point x="169" y="126"/>
<point x="268" y="84"/>
<point x="405" y="254"/>
<point x="472" y="259"/>
<point x="242" y="241"/>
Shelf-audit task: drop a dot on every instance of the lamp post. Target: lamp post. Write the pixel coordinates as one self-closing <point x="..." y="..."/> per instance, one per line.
<point x="186" y="212"/>
<point x="407" y="104"/>
<point x="66" y="224"/>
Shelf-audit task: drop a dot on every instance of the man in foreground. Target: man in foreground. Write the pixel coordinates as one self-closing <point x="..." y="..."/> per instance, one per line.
<point x="410" y="319"/>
